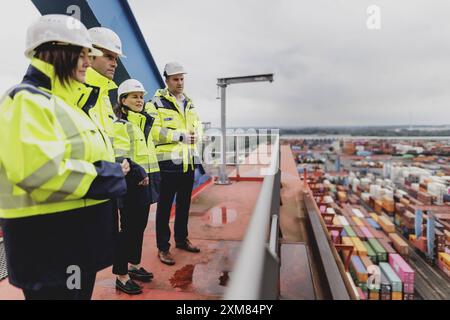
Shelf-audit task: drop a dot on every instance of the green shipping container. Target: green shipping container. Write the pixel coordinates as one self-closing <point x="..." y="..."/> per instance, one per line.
<point x="394" y="280"/>
<point x="370" y="252"/>
<point x="349" y="231"/>
<point x="379" y="250"/>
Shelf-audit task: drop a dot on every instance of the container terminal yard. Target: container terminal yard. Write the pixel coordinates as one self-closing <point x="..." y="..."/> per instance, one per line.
<point x="379" y="230"/>
<point x="384" y="203"/>
<point x="278" y="217"/>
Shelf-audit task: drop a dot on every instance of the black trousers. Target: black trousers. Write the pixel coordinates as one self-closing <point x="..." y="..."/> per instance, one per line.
<point x="133" y="221"/>
<point x="179" y="184"/>
<point x="62" y="292"/>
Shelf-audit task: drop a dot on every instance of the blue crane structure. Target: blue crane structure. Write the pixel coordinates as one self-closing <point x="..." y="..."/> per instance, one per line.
<point x="117" y="16"/>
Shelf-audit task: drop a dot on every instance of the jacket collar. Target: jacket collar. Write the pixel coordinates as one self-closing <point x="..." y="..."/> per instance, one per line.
<point x="94" y="78"/>
<point x="141" y="119"/>
<point x="167" y="95"/>
<point x="41" y="74"/>
<point x="134" y="117"/>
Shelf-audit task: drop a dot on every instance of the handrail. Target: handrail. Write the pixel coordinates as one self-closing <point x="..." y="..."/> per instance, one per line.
<point x="329" y="258"/>
<point x="255" y="275"/>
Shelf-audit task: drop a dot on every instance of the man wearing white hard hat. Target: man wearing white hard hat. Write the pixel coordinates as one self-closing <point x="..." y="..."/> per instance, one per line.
<point x="100" y="76"/>
<point x="176" y="132"/>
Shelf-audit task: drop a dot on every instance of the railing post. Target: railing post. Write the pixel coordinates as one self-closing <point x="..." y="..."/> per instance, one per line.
<point x="256" y="272"/>
<point x="236" y="145"/>
<point x="223" y="176"/>
<point x="270" y="289"/>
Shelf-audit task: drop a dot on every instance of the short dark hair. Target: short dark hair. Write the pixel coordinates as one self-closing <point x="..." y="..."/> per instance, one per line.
<point x="64" y="59"/>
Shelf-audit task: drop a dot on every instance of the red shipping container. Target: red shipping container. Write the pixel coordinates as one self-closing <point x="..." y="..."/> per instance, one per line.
<point x="408" y="288"/>
<point x="362" y="294"/>
<point x="408" y="296"/>
<point x="386" y="246"/>
<point x="385" y="296"/>
<point x="403" y="270"/>
<point x="359" y="233"/>
<point x="335" y="236"/>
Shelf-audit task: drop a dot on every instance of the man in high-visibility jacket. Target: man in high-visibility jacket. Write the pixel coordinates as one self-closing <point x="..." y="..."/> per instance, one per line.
<point x="100" y="77"/>
<point x="176" y="132"/>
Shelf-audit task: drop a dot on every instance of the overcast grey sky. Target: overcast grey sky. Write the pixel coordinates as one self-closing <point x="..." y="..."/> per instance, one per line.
<point x="330" y="69"/>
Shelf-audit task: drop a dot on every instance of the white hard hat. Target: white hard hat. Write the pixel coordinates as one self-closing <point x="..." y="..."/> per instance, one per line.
<point x="107" y="39"/>
<point x="58" y="28"/>
<point x="130" y="85"/>
<point x="172" y="68"/>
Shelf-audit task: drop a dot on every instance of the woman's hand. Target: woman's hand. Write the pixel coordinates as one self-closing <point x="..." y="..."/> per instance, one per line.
<point x="125" y="167"/>
<point x="144" y="182"/>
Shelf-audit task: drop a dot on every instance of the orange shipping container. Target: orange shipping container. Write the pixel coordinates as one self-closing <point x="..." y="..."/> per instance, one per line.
<point x="447" y="236"/>
<point x="342" y="196"/>
<point x="386" y="224"/>
<point x="404" y="201"/>
<point x="374" y="216"/>
<point x="366" y="261"/>
<point x="358" y="222"/>
<point x="378" y="206"/>
<point x="374" y="295"/>
<point x="359" y="246"/>
<point x="389" y="206"/>
<point x="397" y="296"/>
<point x="444" y="258"/>
<point x="348" y="241"/>
<point x="399" y="244"/>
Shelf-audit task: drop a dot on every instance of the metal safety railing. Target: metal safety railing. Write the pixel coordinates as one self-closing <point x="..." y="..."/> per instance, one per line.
<point x="256" y="273"/>
<point x="333" y="271"/>
<point x="239" y="147"/>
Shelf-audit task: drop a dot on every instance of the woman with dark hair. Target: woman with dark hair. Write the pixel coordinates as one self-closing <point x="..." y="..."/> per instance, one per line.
<point x="132" y="140"/>
<point x="57" y="170"/>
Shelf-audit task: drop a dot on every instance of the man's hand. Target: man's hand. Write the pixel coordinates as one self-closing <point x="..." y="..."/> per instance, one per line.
<point x="144" y="182"/>
<point x="191" y="138"/>
<point x="125" y="167"/>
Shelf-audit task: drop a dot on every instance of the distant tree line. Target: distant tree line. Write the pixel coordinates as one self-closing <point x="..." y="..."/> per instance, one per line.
<point x="367" y="131"/>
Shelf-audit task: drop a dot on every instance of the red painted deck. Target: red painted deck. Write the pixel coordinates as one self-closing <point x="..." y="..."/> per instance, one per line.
<point x="218" y="221"/>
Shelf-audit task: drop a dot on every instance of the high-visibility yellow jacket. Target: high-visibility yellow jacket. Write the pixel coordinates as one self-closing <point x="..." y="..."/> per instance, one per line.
<point x="132" y="139"/>
<point x="48" y="146"/>
<point x="98" y="104"/>
<point x="169" y="129"/>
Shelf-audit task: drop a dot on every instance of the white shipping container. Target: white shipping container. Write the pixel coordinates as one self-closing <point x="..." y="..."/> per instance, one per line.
<point x="365" y="196"/>
<point x="357" y="213"/>
<point x="375" y="191"/>
<point x="388" y="193"/>
<point x="344" y="221"/>
<point x="400" y="193"/>
<point x="355" y="185"/>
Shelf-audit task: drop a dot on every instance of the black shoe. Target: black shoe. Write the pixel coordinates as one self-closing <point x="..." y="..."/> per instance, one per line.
<point x="187" y="245"/>
<point x="130" y="287"/>
<point x="140" y="274"/>
<point x="166" y="257"/>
